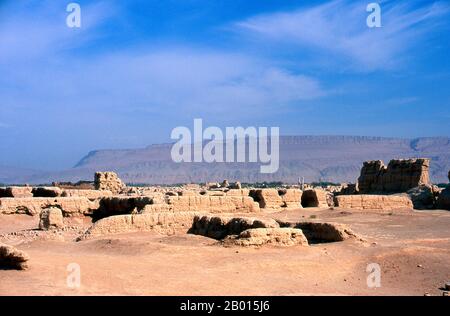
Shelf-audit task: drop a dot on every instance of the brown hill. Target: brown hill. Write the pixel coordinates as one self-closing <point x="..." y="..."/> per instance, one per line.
<point x="317" y="158"/>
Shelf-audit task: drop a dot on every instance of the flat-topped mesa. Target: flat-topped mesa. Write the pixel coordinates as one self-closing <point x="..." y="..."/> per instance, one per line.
<point x="398" y="176"/>
<point x="108" y="181"/>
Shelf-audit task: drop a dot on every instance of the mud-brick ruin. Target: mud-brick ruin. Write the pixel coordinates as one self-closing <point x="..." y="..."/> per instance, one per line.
<point x="226" y="212"/>
<point x="397" y="176"/>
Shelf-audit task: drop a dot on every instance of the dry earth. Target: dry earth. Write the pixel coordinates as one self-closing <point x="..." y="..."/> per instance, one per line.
<point x="412" y="248"/>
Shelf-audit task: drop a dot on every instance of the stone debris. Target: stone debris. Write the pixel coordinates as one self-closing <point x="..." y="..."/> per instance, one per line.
<point x="268" y="236"/>
<point x="108" y="181"/>
<point x="12" y="258"/>
<point x="398" y="176"/>
<point x="374" y="202"/>
<point x="51" y="218"/>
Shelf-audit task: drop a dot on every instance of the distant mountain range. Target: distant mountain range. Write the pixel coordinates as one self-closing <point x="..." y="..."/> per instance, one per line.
<point x="317" y="158"/>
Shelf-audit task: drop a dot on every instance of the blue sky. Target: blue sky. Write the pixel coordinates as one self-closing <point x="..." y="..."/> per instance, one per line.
<point x="136" y="70"/>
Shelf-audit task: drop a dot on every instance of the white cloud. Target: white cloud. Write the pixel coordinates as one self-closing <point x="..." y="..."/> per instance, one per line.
<point x="339" y="27"/>
<point x="36" y="29"/>
<point x="43" y="69"/>
<point x="176" y="79"/>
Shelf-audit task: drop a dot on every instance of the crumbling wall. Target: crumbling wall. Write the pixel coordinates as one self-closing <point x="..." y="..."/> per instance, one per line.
<point x="315" y="198"/>
<point x="90" y="194"/>
<point x="374" y="202"/>
<point x="218" y="227"/>
<point x="165" y="223"/>
<point x="46" y="192"/>
<point x="213" y="204"/>
<point x="268" y="236"/>
<point x="108" y="181"/>
<point x="70" y="206"/>
<point x="398" y="176"/>
<point x="17" y="192"/>
<point x="119" y="205"/>
<point x="291" y="198"/>
<point x="275" y="199"/>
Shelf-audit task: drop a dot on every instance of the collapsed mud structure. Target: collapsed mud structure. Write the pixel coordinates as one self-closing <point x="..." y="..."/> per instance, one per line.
<point x="374" y="202"/>
<point x="228" y="213"/>
<point x="398" y="176"/>
<point x="12" y="258"/>
<point x="403" y="183"/>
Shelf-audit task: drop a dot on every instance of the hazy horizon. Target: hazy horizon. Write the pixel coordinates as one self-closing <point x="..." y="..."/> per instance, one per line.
<point x="134" y="71"/>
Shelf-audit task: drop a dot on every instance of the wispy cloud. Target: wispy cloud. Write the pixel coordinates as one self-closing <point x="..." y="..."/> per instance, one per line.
<point x="339" y="28"/>
<point x="34" y="29"/>
<point x="403" y="100"/>
<point x="44" y="64"/>
<point x="176" y="79"/>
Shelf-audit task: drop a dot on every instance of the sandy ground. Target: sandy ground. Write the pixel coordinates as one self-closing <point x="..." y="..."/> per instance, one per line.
<point x="412" y="249"/>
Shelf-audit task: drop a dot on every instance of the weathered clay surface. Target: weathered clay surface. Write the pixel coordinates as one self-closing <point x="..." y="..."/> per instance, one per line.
<point x="16" y="192"/>
<point x="398" y="176"/>
<point x="46" y="192"/>
<point x="374" y="202"/>
<point x="90" y="194"/>
<point x="51" y="218"/>
<point x="213" y="204"/>
<point x="70" y="206"/>
<point x="325" y="232"/>
<point x="119" y="205"/>
<point x="267" y="198"/>
<point x="291" y="198"/>
<point x="268" y="236"/>
<point x="315" y="198"/>
<point x="166" y="223"/>
<point x="218" y="227"/>
<point x="108" y="181"/>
